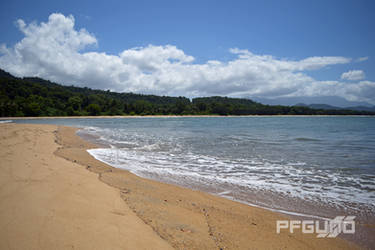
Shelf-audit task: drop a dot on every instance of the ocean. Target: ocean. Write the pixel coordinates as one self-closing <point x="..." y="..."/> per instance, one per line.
<point x="311" y="166"/>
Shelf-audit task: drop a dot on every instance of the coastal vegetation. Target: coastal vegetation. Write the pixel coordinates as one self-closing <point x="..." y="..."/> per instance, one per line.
<point x="32" y="96"/>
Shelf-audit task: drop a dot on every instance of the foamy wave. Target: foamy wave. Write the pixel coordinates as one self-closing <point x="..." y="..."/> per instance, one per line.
<point x="257" y="174"/>
<point x="6" y="121"/>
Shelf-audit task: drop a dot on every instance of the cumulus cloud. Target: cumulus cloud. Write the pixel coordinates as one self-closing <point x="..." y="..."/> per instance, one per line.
<point x="55" y="50"/>
<point x="353" y="75"/>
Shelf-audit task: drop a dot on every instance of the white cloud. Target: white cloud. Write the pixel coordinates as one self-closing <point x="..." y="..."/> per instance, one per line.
<point x="353" y="75"/>
<point x="55" y="50"/>
<point x="362" y="59"/>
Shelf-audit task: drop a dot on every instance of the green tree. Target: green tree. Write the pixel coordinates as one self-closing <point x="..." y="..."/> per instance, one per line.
<point x="93" y="109"/>
<point x="33" y="109"/>
<point x="75" y="102"/>
<point x="142" y="107"/>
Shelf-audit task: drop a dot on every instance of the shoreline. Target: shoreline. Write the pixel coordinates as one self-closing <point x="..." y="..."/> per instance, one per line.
<point x="116" y="177"/>
<point x="182" y="217"/>
<point x="364" y="227"/>
<point x="168" y="116"/>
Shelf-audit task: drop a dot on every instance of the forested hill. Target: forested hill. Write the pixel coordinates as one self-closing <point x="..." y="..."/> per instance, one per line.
<point x="39" y="97"/>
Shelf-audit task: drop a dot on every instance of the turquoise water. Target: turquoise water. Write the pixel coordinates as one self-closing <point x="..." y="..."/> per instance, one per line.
<point x="312" y="165"/>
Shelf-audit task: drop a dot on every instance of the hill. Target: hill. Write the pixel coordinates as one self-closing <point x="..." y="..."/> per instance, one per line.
<point x="32" y="96"/>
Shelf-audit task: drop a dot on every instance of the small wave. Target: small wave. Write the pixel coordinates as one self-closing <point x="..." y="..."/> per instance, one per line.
<point x="92" y="129"/>
<point x="151" y="147"/>
<point x="306" y="139"/>
<point x="6" y="121"/>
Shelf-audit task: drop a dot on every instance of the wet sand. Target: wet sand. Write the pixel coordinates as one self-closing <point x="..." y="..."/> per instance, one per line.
<point x="56" y="195"/>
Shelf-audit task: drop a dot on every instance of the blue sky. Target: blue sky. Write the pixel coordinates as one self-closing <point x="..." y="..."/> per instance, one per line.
<point x="286" y="31"/>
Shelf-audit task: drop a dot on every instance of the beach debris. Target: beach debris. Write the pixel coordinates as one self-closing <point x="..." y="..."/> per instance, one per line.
<point x="185" y="230"/>
<point x="125" y="191"/>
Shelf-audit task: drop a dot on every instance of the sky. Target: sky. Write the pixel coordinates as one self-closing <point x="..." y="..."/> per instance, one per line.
<point x="279" y="52"/>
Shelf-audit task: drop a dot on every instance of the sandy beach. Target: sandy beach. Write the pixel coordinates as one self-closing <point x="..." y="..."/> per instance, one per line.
<point x="55" y="195"/>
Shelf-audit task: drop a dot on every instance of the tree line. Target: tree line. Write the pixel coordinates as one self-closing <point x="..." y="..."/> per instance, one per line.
<point x="31" y="96"/>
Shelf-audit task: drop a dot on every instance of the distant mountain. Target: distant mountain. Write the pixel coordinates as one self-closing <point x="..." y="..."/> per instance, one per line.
<point x="330" y="107"/>
<point x="318" y="106"/>
<point x="362" y="108"/>
<point x="334" y="101"/>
